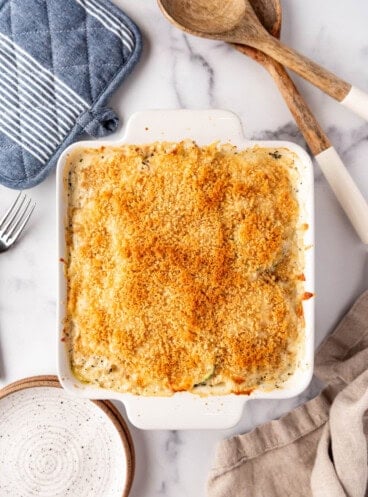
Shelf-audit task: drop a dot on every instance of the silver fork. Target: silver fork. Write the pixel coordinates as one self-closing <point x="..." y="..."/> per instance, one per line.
<point x="15" y="220"/>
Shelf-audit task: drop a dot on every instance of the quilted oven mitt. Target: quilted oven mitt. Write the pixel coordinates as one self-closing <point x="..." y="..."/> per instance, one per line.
<point x="60" y="60"/>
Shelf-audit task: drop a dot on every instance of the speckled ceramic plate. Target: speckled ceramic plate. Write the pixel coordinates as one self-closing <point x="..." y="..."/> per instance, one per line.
<point x="54" y="445"/>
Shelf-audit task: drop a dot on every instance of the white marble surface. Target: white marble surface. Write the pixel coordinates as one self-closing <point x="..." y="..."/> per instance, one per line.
<point x="182" y="71"/>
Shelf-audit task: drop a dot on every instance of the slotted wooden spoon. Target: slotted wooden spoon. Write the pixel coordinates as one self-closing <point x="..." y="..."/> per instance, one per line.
<point x="345" y="189"/>
<point x="235" y="21"/>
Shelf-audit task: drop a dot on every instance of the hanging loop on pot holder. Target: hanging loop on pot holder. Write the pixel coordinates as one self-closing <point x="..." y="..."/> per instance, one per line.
<point x="99" y="122"/>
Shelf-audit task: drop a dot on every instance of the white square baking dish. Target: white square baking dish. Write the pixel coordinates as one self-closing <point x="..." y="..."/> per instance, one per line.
<point x="186" y="410"/>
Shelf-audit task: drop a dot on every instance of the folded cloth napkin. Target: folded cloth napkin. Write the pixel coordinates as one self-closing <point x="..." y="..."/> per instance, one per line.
<point x="320" y="448"/>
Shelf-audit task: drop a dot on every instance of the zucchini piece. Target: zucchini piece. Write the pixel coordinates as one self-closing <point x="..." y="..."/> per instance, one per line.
<point x="208" y="376"/>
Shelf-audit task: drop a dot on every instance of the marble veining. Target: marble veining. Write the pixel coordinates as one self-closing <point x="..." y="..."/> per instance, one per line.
<point x="178" y="70"/>
<point x="187" y="94"/>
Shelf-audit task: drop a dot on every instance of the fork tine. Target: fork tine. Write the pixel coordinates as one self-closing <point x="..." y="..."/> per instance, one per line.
<point x="14" y="215"/>
<point x="7" y="213"/>
<point x="16" y="219"/>
<point x="21" y="223"/>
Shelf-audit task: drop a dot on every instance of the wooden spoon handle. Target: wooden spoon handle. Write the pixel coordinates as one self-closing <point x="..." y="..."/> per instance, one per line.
<point x="351" y="97"/>
<point x="311" y="71"/>
<point x="357" y="101"/>
<point x="307" y="123"/>
<point x="346" y="190"/>
<point x="334" y="170"/>
<point x="313" y="134"/>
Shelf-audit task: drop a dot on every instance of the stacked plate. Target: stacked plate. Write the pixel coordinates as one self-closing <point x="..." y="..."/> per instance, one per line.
<point x="52" y="444"/>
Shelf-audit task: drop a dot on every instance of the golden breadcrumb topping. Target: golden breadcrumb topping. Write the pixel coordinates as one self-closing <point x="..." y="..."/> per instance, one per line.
<point x="183" y="268"/>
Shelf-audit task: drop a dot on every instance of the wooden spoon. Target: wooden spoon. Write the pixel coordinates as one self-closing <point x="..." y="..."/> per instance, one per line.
<point x="235" y="21"/>
<point x="346" y="191"/>
<point x="342" y="184"/>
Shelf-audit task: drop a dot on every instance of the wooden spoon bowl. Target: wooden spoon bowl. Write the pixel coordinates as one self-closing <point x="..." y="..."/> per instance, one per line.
<point x="270" y="15"/>
<point x="205" y="18"/>
<point x="235" y="21"/>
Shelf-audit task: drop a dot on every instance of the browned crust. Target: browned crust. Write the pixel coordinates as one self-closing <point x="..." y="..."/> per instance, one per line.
<point x="182" y="267"/>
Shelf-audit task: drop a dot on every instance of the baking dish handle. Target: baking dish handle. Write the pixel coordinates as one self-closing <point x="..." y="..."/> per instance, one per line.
<point x="206" y="127"/>
<point x="186" y="412"/>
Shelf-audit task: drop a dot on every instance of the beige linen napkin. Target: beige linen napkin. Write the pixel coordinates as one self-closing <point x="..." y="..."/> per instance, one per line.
<point x="319" y="449"/>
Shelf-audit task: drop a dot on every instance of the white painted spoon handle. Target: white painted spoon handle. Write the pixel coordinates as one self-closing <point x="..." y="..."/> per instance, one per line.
<point x="346" y="191"/>
<point x="357" y="101"/>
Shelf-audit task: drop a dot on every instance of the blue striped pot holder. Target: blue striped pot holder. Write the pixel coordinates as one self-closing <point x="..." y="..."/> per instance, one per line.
<point x="60" y="60"/>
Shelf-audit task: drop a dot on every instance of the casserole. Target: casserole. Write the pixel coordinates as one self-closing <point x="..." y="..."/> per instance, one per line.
<point x="183" y="409"/>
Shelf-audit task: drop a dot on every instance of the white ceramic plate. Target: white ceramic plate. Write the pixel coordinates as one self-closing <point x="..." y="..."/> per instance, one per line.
<point x="185" y="410"/>
<point x="54" y="444"/>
